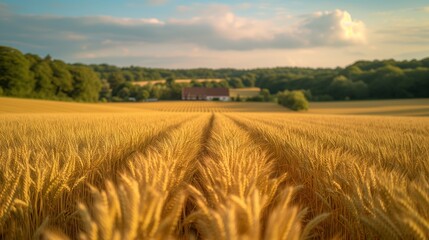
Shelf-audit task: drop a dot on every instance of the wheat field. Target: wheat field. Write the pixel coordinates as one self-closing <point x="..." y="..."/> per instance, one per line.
<point x="191" y="170"/>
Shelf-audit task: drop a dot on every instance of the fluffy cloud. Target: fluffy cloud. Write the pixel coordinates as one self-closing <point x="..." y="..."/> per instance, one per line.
<point x="220" y="30"/>
<point x="99" y="38"/>
<point x="229" y="31"/>
<point x="334" y="28"/>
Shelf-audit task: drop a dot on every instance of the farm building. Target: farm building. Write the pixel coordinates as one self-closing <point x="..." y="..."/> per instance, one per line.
<point x="201" y="93"/>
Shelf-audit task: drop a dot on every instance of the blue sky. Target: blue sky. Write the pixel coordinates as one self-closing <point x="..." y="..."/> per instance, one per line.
<point x="242" y="34"/>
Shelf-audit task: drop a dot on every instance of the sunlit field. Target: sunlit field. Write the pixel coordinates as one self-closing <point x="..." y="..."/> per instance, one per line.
<point x="210" y="170"/>
<point x="407" y="107"/>
<point x="401" y="107"/>
<point x="17" y="105"/>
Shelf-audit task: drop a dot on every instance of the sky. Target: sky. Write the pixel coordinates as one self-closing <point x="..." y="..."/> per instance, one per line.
<point x="217" y="34"/>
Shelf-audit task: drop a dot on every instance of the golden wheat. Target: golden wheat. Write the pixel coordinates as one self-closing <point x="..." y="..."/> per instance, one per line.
<point x="212" y="173"/>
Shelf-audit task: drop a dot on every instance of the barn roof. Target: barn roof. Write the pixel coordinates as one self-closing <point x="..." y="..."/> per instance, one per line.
<point x="202" y="91"/>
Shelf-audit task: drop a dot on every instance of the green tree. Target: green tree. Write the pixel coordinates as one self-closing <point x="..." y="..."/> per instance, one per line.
<point x="115" y="79"/>
<point x="124" y="93"/>
<point x="343" y="88"/>
<point x="249" y="80"/>
<point x="208" y="84"/>
<point x="360" y="90"/>
<point x="420" y="82"/>
<point x="308" y="94"/>
<point x="32" y="59"/>
<point x="294" y="100"/>
<point x="425" y="62"/>
<point x="390" y="82"/>
<point x="176" y="91"/>
<point x="340" y="88"/>
<point x="223" y="84"/>
<point x="144" y="94"/>
<point x="139" y="93"/>
<point x="43" y="75"/>
<point x="105" y="91"/>
<point x="128" y="75"/>
<point x="195" y="83"/>
<point x="236" y="83"/>
<point x="266" y="96"/>
<point x="15" y="77"/>
<point x="155" y="92"/>
<point x="169" y="81"/>
<point x="62" y="79"/>
<point x="86" y="84"/>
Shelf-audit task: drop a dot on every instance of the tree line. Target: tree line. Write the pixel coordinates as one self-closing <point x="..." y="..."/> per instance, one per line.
<point x="387" y="79"/>
<point x="32" y="76"/>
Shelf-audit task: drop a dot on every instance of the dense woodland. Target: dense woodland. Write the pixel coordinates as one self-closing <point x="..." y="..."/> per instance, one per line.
<point x="32" y="76"/>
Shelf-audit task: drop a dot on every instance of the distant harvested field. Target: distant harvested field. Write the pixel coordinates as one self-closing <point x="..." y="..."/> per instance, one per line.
<point x="15" y="105"/>
<point x="403" y="107"/>
<point x="18" y="105"/>
<point x="143" y="83"/>
<point x="244" y="92"/>
<point x="411" y="107"/>
<point x="207" y="106"/>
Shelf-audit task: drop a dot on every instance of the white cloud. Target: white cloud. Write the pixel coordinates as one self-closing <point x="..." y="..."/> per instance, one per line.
<point x="230" y="26"/>
<point x="334" y="28"/>
<point x="229" y="31"/>
<point x="215" y="28"/>
<point x="122" y="21"/>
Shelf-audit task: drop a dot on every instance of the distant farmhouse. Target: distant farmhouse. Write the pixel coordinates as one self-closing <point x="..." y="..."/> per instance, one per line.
<point x="202" y="93"/>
